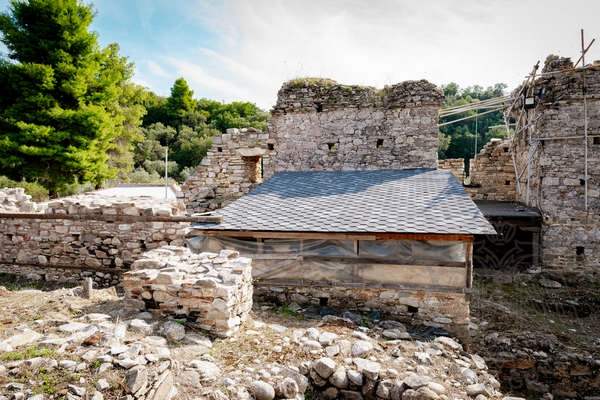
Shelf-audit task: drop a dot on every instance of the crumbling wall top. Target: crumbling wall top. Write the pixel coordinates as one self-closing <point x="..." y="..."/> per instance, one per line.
<point x="560" y="81"/>
<point x="101" y="204"/>
<point x="319" y="94"/>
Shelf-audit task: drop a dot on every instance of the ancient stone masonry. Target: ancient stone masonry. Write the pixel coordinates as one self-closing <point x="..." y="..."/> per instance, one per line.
<point x="491" y="174"/>
<point x="554" y="180"/>
<point x="322" y="125"/>
<point x="438" y="309"/>
<point x="454" y="165"/>
<point x="212" y="291"/>
<point x="87" y="235"/>
<point x="233" y="165"/>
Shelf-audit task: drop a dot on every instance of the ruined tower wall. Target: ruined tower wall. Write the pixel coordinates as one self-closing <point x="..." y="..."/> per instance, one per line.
<point x="323" y="125"/>
<point x="555" y="144"/>
<point x="232" y="167"/>
<point x="492" y="174"/>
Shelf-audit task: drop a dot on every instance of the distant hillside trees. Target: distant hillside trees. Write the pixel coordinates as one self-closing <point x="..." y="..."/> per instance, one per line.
<point x="458" y="140"/>
<point x="185" y="125"/>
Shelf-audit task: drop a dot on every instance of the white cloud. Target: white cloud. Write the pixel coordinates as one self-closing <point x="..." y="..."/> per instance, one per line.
<point x="261" y="43"/>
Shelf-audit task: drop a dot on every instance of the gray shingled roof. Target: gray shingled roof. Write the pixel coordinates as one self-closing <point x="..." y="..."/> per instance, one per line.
<point x="399" y="201"/>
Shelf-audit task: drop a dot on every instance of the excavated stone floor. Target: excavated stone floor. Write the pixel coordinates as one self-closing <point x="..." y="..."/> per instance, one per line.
<point x="56" y="344"/>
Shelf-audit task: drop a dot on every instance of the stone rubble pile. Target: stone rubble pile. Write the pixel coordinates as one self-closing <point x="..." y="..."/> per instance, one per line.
<point x="213" y="291"/>
<point x="132" y="355"/>
<point x="15" y="200"/>
<point x="94" y="347"/>
<point x="364" y="364"/>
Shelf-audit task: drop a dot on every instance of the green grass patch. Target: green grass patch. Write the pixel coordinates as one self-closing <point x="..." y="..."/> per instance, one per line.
<point x="29" y="352"/>
<point x="286" y="311"/>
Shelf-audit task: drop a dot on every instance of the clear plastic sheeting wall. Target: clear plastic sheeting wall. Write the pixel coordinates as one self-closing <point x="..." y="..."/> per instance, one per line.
<point x="379" y="263"/>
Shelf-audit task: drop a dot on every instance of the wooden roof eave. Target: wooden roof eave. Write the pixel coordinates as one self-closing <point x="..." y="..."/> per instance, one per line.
<point x="332" y="235"/>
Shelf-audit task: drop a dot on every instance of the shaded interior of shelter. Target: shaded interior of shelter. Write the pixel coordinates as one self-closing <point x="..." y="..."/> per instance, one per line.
<point x="516" y="246"/>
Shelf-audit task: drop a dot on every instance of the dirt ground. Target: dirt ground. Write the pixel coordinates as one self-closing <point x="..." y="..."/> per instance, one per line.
<point x="538" y="336"/>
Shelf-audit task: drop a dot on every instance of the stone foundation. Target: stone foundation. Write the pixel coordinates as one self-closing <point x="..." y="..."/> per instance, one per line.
<point x="439" y="309"/>
<point x="213" y="291"/>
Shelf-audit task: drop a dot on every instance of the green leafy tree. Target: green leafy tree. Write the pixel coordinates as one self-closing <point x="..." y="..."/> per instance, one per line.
<point x="458" y="140"/>
<point x="64" y="107"/>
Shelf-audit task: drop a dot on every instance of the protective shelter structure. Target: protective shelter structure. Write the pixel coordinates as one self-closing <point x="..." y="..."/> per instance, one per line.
<point x="396" y="240"/>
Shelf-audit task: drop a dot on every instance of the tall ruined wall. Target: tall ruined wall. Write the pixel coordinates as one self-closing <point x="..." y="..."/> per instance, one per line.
<point x="87" y="235"/>
<point x="454" y="165"/>
<point x="322" y="125"/>
<point x="555" y="144"/>
<point x="492" y="174"/>
<point x="233" y="165"/>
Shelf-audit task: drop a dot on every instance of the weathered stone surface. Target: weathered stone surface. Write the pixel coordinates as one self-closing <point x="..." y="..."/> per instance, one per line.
<point x="215" y="288"/>
<point x="72" y="234"/>
<point x="263" y="390"/>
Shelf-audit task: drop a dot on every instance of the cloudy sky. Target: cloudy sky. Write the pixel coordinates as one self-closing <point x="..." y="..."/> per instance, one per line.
<point x="245" y="49"/>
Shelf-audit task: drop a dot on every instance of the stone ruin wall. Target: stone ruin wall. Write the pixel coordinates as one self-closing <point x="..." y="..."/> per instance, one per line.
<point x="492" y="174"/>
<point x="454" y="165"/>
<point x="319" y="124"/>
<point x="86" y="235"/>
<point x="570" y="235"/>
<point x="232" y="167"/>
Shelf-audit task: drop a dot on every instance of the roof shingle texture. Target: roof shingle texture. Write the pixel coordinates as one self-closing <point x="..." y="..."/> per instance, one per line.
<point x="373" y="201"/>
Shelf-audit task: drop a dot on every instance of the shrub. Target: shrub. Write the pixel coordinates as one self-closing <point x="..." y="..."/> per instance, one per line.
<point x="34" y="189"/>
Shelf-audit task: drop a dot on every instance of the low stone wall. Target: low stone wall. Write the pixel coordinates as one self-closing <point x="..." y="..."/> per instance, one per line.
<point x="454" y="165"/>
<point x="492" y="174"/>
<point x="447" y="310"/>
<point x="87" y="235"/>
<point x="213" y="291"/>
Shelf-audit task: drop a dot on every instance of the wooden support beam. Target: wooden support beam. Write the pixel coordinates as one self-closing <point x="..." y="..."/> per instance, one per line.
<point x="334" y="235"/>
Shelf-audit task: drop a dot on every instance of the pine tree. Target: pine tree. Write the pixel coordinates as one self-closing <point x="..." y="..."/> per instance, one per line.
<point x="62" y="109"/>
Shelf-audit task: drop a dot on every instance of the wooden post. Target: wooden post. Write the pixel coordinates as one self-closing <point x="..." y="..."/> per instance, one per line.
<point x="469" y="264"/>
<point x="88" y="288"/>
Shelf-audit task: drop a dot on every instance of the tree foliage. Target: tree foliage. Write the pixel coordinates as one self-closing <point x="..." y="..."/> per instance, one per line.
<point x="186" y="125"/>
<point x="458" y="140"/>
<point x="65" y="112"/>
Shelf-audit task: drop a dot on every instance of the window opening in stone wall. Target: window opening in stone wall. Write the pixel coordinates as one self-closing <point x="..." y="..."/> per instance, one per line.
<point x="579" y="252"/>
<point x="379" y="143"/>
<point x="319" y="107"/>
<point x="596" y="140"/>
<point x="271" y="146"/>
<point x="507" y="183"/>
<point x="412" y="309"/>
<point x="582" y="182"/>
<point x="254" y="168"/>
<point x="506" y="149"/>
<point x="331" y="146"/>
<point x="219" y="149"/>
